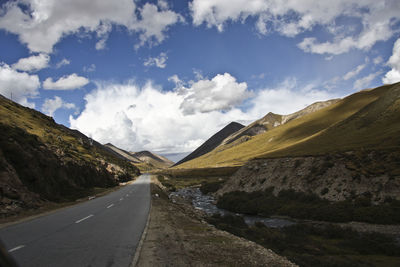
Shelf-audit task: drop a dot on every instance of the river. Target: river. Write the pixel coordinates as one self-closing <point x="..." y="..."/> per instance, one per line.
<point x="206" y="204"/>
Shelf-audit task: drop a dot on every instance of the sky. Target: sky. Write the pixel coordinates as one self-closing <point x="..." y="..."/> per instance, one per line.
<point x="166" y="75"/>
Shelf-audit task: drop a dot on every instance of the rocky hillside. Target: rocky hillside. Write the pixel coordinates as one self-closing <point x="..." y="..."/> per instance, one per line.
<point x="356" y="156"/>
<point x="354" y="122"/>
<point x="212" y="142"/>
<point x="335" y="177"/>
<point x="42" y="161"/>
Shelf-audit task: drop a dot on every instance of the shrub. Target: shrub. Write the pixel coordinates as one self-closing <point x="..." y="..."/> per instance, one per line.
<point x="310" y="206"/>
<point x="210" y="187"/>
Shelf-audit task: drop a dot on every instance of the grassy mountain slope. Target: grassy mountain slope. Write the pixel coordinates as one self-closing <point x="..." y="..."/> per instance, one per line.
<point x="42" y="160"/>
<point x="268" y="122"/>
<point x="153" y="159"/>
<point x="144" y="160"/>
<point x="212" y="142"/>
<point x="348" y="124"/>
<point x="122" y="153"/>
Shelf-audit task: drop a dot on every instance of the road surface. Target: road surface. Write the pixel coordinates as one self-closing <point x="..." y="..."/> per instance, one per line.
<point x="104" y="231"/>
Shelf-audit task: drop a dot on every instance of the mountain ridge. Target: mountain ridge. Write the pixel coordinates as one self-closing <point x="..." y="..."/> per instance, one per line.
<point x="144" y="160"/>
<point x="212" y="142"/>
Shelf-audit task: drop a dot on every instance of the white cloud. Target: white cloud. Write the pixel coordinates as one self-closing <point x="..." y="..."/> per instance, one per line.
<point x="285" y="98"/>
<point x="69" y="82"/>
<point x="378" y="60"/>
<point x="163" y="4"/>
<point x="154" y="23"/>
<point x="364" y="82"/>
<point x="90" y="68"/>
<point x="32" y="63"/>
<point x="159" y="61"/>
<point x="41" y="24"/>
<point x="63" y="62"/>
<point x="102" y="33"/>
<point x="20" y="86"/>
<point x="220" y="93"/>
<point x="354" y="72"/>
<point x="137" y="118"/>
<point x="52" y="105"/>
<point x="393" y="75"/>
<point x="290" y="18"/>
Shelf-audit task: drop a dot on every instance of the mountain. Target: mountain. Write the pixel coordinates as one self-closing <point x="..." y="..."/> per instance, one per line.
<point x="144" y="160"/>
<point x="339" y="164"/>
<point x="268" y="122"/>
<point x="43" y="161"/>
<point x="212" y="142"/>
<point x="122" y="153"/>
<point x="366" y="119"/>
<point x="153" y="159"/>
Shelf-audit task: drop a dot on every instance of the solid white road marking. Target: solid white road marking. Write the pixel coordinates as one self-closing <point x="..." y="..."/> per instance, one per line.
<point x="16" y="248"/>
<point x="87" y="217"/>
<point x="109" y="206"/>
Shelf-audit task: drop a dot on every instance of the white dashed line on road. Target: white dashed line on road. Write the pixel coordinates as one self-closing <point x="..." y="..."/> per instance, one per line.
<point x="16" y="248"/>
<point x="87" y="217"/>
<point x="109" y="206"/>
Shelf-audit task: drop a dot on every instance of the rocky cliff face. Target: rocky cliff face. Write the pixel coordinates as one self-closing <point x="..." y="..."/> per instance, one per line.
<point x="336" y="177"/>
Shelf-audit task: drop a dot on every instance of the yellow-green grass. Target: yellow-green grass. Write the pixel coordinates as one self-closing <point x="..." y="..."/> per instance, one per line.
<point x="37" y="124"/>
<point x="53" y="135"/>
<point x="328" y="130"/>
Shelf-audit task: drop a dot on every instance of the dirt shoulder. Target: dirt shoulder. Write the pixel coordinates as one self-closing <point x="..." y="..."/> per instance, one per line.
<point x="177" y="236"/>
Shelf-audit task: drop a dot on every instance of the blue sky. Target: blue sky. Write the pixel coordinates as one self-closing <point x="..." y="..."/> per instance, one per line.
<point x="166" y="75"/>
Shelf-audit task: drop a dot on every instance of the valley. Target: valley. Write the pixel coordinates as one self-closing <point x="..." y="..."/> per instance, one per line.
<point x="333" y="168"/>
<point x="318" y="187"/>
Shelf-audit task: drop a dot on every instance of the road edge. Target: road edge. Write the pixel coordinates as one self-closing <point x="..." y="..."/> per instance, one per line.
<point x="143" y="237"/>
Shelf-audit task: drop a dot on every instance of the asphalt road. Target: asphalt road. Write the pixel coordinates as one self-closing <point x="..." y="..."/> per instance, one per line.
<point x="104" y="231"/>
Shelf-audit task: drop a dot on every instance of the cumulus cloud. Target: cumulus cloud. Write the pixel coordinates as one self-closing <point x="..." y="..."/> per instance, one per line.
<point x="353" y="72"/>
<point x="291" y="18"/>
<point x="32" y="63"/>
<point x="159" y="61"/>
<point x="20" y="86"/>
<point x="393" y="75"/>
<point x="70" y="82"/>
<point x="365" y="81"/>
<point x="154" y="23"/>
<point x="52" y="105"/>
<point x="220" y="93"/>
<point x="63" y="62"/>
<point x="41" y="24"/>
<point x="137" y="118"/>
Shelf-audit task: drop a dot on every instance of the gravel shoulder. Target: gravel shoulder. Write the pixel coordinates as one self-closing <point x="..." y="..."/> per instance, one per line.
<point x="177" y="236"/>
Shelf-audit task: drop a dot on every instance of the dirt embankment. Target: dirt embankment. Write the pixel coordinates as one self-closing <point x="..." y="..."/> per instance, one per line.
<point x="335" y="177"/>
<point x="177" y="236"/>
